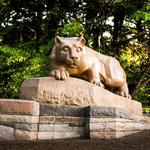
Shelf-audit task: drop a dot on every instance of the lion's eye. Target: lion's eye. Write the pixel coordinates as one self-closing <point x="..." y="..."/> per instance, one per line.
<point x="79" y="49"/>
<point x="65" y="48"/>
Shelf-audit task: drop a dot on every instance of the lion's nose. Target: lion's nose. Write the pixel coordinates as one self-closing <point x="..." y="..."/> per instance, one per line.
<point x="73" y="54"/>
<point x="74" y="58"/>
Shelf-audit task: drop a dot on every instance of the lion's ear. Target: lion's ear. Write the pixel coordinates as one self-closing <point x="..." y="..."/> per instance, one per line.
<point x="82" y="40"/>
<point x="58" y="40"/>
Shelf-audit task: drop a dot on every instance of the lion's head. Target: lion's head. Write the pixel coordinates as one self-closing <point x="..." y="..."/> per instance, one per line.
<point x="69" y="50"/>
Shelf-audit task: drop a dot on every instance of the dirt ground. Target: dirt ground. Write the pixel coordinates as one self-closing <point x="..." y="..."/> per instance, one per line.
<point x="139" y="141"/>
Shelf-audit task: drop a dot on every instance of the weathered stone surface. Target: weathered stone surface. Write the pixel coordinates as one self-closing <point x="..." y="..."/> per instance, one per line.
<point x="18" y="119"/>
<point x="92" y="111"/>
<point x="109" y="128"/>
<point x="61" y="110"/>
<point x="46" y="127"/>
<point x="63" y="135"/>
<point x="47" y="119"/>
<point x="26" y="126"/>
<point x="59" y="135"/>
<point x="133" y="126"/>
<point x="45" y="135"/>
<point x="74" y="92"/>
<point x="109" y="135"/>
<point x="59" y="128"/>
<point x="118" y="126"/>
<point x="62" y="119"/>
<point x="19" y="107"/>
<point x="107" y="120"/>
<point x="25" y="135"/>
<point x="102" y="126"/>
<point x="62" y="128"/>
<point x="134" y="119"/>
<point x="6" y="133"/>
<point x="78" y="129"/>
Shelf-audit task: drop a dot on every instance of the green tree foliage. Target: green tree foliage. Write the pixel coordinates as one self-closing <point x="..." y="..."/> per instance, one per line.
<point x="119" y="28"/>
<point x="19" y="63"/>
<point x="71" y="29"/>
<point x="37" y="20"/>
<point x="135" y="60"/>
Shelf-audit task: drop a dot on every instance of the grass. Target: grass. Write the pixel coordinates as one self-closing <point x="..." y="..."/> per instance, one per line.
<point x="139" y="141"/>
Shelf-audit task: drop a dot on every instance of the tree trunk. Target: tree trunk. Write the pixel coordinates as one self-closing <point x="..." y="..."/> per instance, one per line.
<point x="118" y="22"/>
<point x="96" y="37"/>
<point x="142" y="82"/>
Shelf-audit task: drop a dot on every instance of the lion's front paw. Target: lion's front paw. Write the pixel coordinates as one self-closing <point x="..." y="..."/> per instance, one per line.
<point x="59" y="74"/>
<point x="97" y="83"/>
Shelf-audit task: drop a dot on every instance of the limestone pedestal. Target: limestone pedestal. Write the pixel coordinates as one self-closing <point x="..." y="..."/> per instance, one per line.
<point x="51" y="109"/>
<point x="30" y="120"/>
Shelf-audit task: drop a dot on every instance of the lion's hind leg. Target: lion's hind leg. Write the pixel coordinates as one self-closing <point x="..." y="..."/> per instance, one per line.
<point x="124" y="91"/>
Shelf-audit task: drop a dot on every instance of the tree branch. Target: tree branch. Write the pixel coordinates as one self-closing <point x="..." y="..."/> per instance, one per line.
<point x="145" y="82"/>
<point x="141" y="82"/>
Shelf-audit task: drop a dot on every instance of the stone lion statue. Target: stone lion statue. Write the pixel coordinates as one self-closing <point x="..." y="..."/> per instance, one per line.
<point x="70" y="57"/>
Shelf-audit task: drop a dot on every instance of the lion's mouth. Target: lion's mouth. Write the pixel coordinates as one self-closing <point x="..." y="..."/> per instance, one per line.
<point x="73" y="66"/>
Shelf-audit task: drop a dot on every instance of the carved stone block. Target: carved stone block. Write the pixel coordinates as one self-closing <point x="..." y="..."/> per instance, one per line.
<point x="74" y="91"/>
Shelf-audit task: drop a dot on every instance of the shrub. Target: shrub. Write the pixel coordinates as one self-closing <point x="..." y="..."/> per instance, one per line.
<point x="20" y="63"/>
